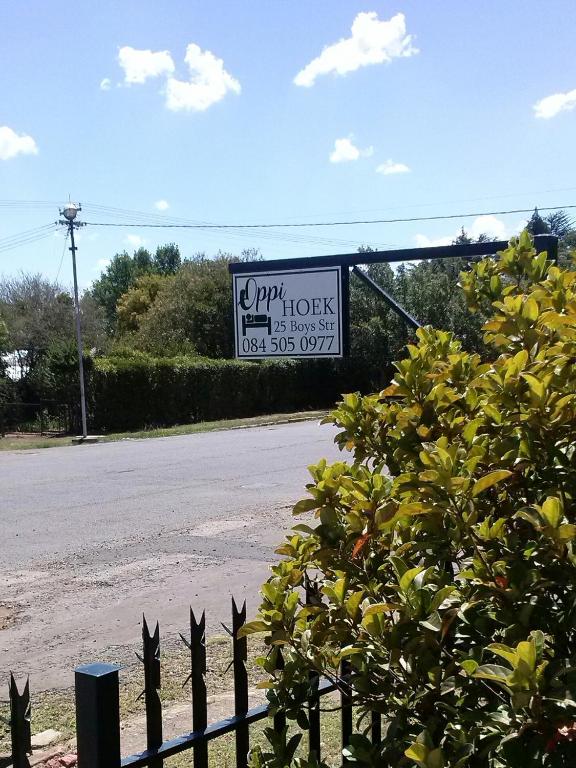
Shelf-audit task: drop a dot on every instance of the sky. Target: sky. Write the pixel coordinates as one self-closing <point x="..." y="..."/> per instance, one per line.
<point x="278" y="111"/>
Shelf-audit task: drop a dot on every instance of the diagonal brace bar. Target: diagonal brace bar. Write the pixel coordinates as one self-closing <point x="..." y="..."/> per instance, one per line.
<point x="392" y="303"/>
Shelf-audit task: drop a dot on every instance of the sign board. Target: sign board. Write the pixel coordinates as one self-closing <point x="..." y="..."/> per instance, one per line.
<point x="290" y="313"/>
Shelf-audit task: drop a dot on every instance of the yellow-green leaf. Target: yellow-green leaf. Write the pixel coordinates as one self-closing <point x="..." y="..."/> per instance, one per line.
<point x="489" y="480"/>
<point x="381" y="608"/>
<point x="417" y="752"/>
<point x="551" y="511"/>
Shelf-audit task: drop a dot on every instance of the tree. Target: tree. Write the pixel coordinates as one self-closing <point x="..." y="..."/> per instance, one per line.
<point x="442" y="557"/>
<point x="536" y="224"/>
<point x="118" y="277"/>
<point x="192" y="311"/>
<point x="39" y="313"/>
<point x="559" y="223"/>
<point x="137" y="301"/>
<point x="427" y="290"/>
<point x="167" y="259"/>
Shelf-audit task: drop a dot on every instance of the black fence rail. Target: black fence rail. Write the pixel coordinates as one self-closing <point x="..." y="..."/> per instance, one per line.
<point x="45" y="418"/>
<point x="97" y="691"/>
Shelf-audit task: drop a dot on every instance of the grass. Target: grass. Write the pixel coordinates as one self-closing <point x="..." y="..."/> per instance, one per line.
<point x="12" y="443"/>
<point x="55" y="709"/>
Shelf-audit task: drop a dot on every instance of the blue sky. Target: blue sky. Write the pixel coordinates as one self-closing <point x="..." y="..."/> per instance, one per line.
<point x="279" y="111"/>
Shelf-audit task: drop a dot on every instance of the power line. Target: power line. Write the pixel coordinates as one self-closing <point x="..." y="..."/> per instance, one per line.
<point x="146" y="219"/>
<point x="62" y="256"/>
<point x="25" y="238"/>
<point x="327" y="223"/>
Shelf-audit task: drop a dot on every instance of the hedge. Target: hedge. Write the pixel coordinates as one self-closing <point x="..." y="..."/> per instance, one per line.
<point x="139" y="392"/>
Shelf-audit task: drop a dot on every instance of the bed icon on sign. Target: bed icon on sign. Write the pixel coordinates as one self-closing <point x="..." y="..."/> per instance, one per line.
<point x="256" y="321"/>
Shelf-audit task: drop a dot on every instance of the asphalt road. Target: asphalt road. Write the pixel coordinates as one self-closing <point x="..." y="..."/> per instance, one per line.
<point x="93" y="536"/>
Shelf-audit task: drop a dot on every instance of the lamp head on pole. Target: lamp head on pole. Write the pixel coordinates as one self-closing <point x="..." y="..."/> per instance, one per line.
<point x="70" y="211"/>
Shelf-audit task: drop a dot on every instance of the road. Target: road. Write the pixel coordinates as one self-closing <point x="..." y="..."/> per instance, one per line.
<point x="93" y="536"/>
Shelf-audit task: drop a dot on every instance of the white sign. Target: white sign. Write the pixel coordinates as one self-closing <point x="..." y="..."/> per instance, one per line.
<point x="289" y="313"/>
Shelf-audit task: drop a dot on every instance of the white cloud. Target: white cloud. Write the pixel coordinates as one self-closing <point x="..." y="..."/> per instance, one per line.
<point x="390" y="167"/>
<point x="135" y="241"/>
<point x="101" y="264"/>
<point x="12" y="145"/>
<point x="105" y="84"/>
<point x="495" y="228"/>
<point x="344" y="151"/>
<point x="161" y="205"/>
<point x="554" y="104"/>
<point x="139" y="65"/>
<point x="372" y="42"/>
<point x="209" y="82"/>
<point x="488" y="225"/>
<point x="422" y="241"/>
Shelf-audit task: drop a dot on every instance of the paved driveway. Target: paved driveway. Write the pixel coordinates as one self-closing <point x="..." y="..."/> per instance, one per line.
<point x="92" y="536"/>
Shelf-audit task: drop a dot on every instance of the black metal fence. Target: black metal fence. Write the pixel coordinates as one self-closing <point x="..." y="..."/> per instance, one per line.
<point x="46" y="418"/>
<point x="98" y="707"/>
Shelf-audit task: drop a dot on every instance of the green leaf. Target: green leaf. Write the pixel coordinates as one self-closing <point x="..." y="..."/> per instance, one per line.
<point x="469" y="666"/>
<point x="417" y="752"/>
<point x="552" y="511"/>
<point x="504" y="652"/>
<point x="382" y="608"/>
<point x="253" y="627"/>
<point x="433" y="622"/>
<point x="489" y="480"/>
<point x="305" y="505"/>
<point x="566" y="532"/>
<point x="536" y="386"/>
<point x="493" y="672"/>
<point x="408" y="578"/>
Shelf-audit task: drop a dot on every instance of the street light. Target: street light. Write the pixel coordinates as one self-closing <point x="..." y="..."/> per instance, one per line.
<point x="70" y="211"/>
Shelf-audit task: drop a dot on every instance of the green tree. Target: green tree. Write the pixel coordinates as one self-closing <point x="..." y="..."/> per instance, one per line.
<point x="118" y="277"/>
<point x="136" y="302"/>
<point x="560" y="224"/>
<point x="537" y="225"/>
<point x="443" y="555"/>
<point x="192" y="311"/>
<point x="39" y="313"/>
<point x="167" y="260"/>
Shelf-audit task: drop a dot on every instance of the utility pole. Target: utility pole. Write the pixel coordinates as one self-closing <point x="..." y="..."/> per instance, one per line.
<point x="70" y="212"/>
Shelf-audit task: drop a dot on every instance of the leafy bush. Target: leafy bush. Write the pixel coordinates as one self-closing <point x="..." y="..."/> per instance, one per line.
<point x="141" y="391"/>
<point x="448" y="580"/>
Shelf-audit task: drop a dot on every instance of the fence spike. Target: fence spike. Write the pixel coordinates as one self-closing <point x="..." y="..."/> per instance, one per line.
<point x="224" y="627"/>
<point x="186" y="643"/>
<point x="198" y="689"/>
<point x="20" y="715"/>
<point x="152" y="683"/>
<point x="239" y="657"/>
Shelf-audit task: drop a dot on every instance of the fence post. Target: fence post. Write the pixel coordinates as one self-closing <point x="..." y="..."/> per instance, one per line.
<point x="151" y="661"/>
<point x="239" y="657"/>
<point x="197" y="649"/>
<point x="314" y="742"/>
<point x="97" y="716"/>
<point x="20" y="724"/>
<point x="346" y="717"/>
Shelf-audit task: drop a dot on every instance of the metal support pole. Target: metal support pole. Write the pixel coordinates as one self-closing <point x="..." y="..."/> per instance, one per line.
<point x="97" y="716"/>
<point x="78" y="332"/>
<point x="392" y="303"/>
<point x="548" y="243"/>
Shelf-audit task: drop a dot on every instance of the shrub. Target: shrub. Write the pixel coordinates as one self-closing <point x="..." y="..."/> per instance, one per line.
<point x="448" y="580"/>
<point x="140" y="391"/>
